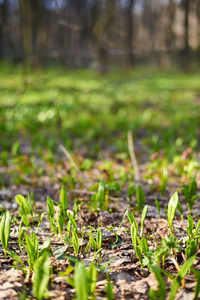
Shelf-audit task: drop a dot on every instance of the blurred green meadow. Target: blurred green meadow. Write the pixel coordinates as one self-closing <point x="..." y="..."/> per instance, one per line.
<point x="85" y="109"/>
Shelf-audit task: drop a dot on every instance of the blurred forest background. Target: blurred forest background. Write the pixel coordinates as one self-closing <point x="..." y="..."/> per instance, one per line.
<point x="99" y="33"/>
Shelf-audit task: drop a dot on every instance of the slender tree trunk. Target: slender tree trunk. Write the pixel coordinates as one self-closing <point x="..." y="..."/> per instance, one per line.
<point x="27" y="29"/>
<point x="100" y="31"/>
<point x="39" y="33"/>
<point x="3" y="19"/>
<point x="186" y="26"/>
<point x="198" y="29"/>
<point x="170" y="36"/>
<point x="130" y="31"/>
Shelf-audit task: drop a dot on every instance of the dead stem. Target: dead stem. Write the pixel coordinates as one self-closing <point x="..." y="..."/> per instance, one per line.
<point x="178" y="269"/>
<point x="133" y="157"/>
<point x="69" y="157"/>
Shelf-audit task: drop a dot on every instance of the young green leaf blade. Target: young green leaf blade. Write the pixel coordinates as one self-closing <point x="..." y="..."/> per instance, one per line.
<point x="140" y="197"/>
<point x="109" y="290"/>
<point x="22" y="202"/>
<point x="92" y="277"/>
<point x="50" y="206"/>
<point x="101" y="193"/>
<point x="197" y="288"/>
<point x="5" y="230"/>
<point x="186" y="267"/>
<point x="63" y="198"/>
<point x="16" y="257"/>
<point x="99" y="238"/>
<point x="41" y="276"/>
<point x="172" y="205"/>
<point x="158" y="206"/>
<point x="81" y="282"/>
<point x="132" y="219"/>
<point x="161" y="283"/>
<point x="144" y="213"/>
<point x="134" y="233"/>
<point x="71" y="218"/>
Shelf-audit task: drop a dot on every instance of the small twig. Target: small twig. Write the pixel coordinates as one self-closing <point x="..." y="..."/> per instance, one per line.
<point x="178" y="268"/>
<point x="69" y="157"/>
<point x="133" y="157"/>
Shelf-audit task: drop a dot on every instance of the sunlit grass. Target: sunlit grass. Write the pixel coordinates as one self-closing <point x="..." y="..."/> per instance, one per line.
<point x="84" y="105"/>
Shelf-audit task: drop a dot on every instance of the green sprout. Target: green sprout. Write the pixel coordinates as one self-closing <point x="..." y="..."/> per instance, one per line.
<point x="140" y="197"/>
<point x="172" y="205"/>
<point x="144" y="213"/>
<point x="85" y="281"/>
<point x="5" y="231"/>
<point x="41" y="276"/>
<point x="158" y="207"/>
<point x="63" y="200"/>
<point x="189" y="191"/>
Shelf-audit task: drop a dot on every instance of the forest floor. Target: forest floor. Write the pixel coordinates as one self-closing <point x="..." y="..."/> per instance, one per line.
<point x="66" y="134"/>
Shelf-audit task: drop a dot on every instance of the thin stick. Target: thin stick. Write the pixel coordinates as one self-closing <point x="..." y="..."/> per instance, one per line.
<point x="69" y="157"/>
<point x="133" y="157"/>
<point x="178" y="268"/>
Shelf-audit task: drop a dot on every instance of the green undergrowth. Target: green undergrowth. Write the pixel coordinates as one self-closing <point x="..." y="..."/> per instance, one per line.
<point x="83" y="108"/>
<point x="69" y="129"/>
<point x="168" y="256"/>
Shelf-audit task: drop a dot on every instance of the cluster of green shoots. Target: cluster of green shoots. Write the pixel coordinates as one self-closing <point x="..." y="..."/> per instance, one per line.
<point x="168" y="248"/>
<point x="63" y="224"/>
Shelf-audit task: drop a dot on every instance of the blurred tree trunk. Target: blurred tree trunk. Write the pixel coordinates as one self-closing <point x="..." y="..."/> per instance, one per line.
<point x="100" y="31"/>
<point x="186" y="5"/>
<point x="39" y="32"/>
<point x="27" y="29"/>
<point x="186" y="49"/>
<point x="3" y="20"/>
<point x="130" y="31"/>
<point x="198" y="29"/>
<point x="170" y="35"/>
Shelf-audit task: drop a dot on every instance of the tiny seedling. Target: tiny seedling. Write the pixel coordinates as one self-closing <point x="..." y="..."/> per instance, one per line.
<point x="50" y="206"/>
<point x="99" y="240"/>
<point x="158" y="207"/>
<point x="179" y="207"/>
<point x="189" y="191"/>
<point x="172" y="205"/>
<point x="60" y="221"/>
<point x="41" y="276"/>
<point x="32" y="248"/>
<point x="134" y="233"/>
<point x="109" y="290"/>
<point x="72" y="221"/>
<point x="63" y="200"/>
<point x="101" y="195"/>
<point x="144" y="213"/>
<point x="131" y="218"/>
<point x="140" y="197"/>
<point x="50" y="213"/>
<point x="26" y="205"/>
<point x="131" y="191"/>
<point x="164" y="177"/>
<point x="99" y="199"/>
<point x="75" y="241"/>
<point x="25" y="208"/>
<point x="5" y="231"/>
<point x="161" y="284"/>
<point x="168" y="247"/>
<point x="85" y="281"/>
<point x="197" y="288"/>
<point x="193" y="237"/>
